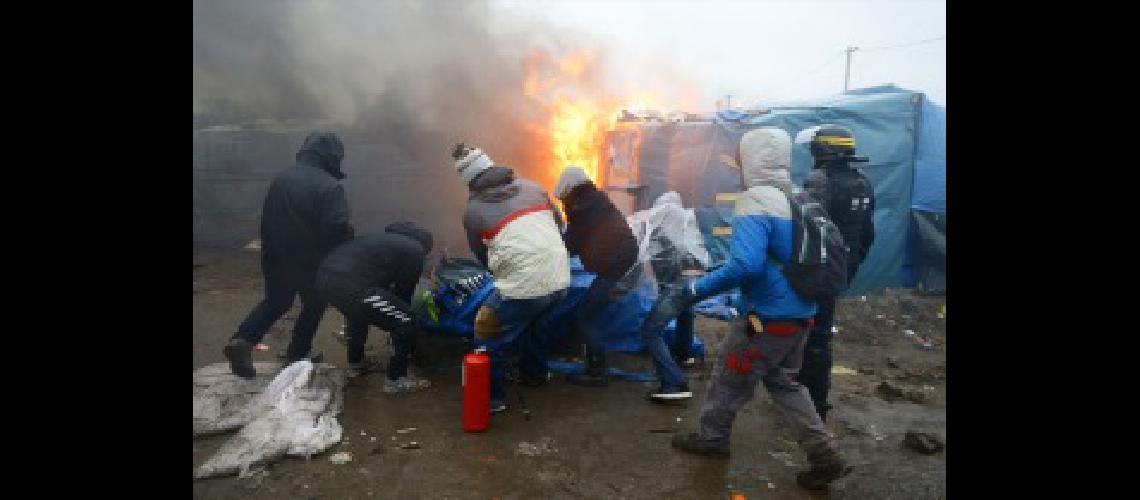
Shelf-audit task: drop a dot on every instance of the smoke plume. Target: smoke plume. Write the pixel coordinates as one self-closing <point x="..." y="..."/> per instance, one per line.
<point x="401" y="81"/>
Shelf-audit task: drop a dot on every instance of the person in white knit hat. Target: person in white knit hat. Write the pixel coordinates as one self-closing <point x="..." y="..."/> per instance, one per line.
<point x="514" y="230"/>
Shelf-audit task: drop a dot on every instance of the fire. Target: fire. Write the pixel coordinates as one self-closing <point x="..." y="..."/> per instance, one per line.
<point x="576" y="110"/>
<point x="577" y="132"/>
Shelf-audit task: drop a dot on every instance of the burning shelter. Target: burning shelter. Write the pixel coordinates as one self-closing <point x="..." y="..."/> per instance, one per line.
<point x="901" y="131"/>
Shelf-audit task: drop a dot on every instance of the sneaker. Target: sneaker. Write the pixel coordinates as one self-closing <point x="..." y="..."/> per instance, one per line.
<point x="670" y="394"/>
<point x="823" y="471"/>
<point x="238" y="351"/>
<point x="694" y="443"/>
<point x="405" y="384"/>
<point x="587" y="379"/>
<point x="498" y="406"/>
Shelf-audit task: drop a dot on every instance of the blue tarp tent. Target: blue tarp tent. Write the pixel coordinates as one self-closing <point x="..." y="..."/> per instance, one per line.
<point x="902" y="133"/>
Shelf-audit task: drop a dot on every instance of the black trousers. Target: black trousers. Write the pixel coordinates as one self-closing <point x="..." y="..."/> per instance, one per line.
<point x="280" y="289"/>
<point x="815" y="373"/>
<point x="363" y="306"/>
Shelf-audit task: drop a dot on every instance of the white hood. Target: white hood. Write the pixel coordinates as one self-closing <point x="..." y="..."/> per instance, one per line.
<point x="765" y="156"/>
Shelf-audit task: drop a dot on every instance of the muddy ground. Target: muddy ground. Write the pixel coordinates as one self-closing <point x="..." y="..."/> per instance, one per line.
<point x="598" y="443"/>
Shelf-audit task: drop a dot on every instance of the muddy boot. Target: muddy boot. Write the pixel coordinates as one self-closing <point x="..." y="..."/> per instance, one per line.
<point x="595" y="374"/>
<point x="826" y="466"/>
<point x="822" y="410"/>
<point x="240" y="354"/>
<point x="694" y="443"/>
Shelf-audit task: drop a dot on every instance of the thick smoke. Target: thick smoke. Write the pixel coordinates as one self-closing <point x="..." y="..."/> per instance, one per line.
<point x="401" y="81"/>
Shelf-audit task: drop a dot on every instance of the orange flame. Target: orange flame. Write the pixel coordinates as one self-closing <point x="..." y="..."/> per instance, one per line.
<point x="578" y="113"/>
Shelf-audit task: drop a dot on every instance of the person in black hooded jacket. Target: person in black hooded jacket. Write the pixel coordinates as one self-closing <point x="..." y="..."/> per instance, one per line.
<point x="370" y="280"/>
<point x="597" y="232"/>
<point x="304" y="216"/>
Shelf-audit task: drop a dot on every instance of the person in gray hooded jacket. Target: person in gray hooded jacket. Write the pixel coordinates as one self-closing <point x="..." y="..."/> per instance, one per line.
<point x="305" y="215"/>
<point x="766" y="344"/>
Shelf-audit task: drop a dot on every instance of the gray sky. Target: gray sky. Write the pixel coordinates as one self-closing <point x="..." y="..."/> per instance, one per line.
<point x="758" y="50"/>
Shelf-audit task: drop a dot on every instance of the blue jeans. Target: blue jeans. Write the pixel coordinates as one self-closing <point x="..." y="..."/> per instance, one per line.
<point x="519" y="319"/>
<point x="683" y="342"/>
<point x="669" y="305"/>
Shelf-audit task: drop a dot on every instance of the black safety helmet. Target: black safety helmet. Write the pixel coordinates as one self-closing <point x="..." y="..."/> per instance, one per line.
<point x="832" y="142"/>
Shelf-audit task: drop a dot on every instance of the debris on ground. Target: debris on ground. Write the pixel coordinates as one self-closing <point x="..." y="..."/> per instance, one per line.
<point x="541" y="447"/>
<point x="254" y="246"/>
<point x="784" y="457"/>
<point x="842" y="370"/>
<point x="252" y="478"/>
<point x="878" y="436"/>
<point x="892" y="392"/>
<point x="923" y="442"/>
<point x="413" y="445"/>
<point x="405" y="431"/>
<point x="341" y="458"/>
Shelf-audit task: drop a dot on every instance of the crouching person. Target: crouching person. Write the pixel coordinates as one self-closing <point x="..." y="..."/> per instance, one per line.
<point x="515" y="231"/>
<point x="766" y="344"/>
<point x="597" y="232"/>
<point x="370" y="280"/>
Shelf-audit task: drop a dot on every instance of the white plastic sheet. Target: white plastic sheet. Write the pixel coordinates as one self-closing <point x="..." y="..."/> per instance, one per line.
<point x="668" y="236"/>
<point x="294" y="415"/>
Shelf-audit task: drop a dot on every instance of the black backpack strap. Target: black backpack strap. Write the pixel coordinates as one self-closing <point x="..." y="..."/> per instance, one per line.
<point x="792" y="215"/>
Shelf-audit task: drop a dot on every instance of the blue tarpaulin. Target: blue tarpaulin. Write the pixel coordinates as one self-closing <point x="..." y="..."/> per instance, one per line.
<point x="901" y="132"/>
<point x="622" y="319"/>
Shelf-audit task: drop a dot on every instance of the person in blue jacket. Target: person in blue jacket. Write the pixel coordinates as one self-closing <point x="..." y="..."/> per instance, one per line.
<point x="766" y="343"/>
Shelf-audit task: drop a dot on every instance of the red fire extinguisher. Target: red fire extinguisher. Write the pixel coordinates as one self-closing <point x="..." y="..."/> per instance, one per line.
<point x="476" y="391"/>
